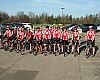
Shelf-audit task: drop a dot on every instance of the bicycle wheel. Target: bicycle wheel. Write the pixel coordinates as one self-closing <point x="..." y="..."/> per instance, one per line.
<point x="65" y="51"/>
<point x="17" y="49"/>
<point x="35" y="53"/>
<point x="75" y="50"/>
<point x="5" y="46"/>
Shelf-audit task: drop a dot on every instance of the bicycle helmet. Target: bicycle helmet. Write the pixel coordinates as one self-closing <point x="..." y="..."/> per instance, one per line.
<point x="8" y="26"/>
<point x="90" y="27"/>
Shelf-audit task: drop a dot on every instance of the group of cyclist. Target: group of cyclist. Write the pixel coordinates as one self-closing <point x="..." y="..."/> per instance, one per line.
<point x="51" y="36"/>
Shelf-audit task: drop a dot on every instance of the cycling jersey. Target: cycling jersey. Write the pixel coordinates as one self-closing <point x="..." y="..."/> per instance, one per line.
<point x="47" y="34"/>
<point x="15" y="32"/>
<point x="90" y="35"/>
<point x="56" y="34"/>
<point x="29" y="35"/>
<point x="65" y="35"/>
<point x="38" y="35"/>
<point x="21" y="35"/>
<point x="8" y="33"/>
<point x="75" y="35"/>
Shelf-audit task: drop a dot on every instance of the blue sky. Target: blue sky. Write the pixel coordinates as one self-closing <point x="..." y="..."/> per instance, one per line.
<point x="76" y="8"/>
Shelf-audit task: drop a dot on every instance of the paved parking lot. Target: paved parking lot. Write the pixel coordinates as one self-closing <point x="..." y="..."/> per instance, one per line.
<point x="14" y="66"/>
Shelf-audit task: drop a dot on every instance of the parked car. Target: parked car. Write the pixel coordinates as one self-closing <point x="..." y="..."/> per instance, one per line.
<point x="26" y="25"/>
<point x="98" y="27"/>
<point x="4" y="25"/>
<point x="85" y="27"/>
<point x="70" y="27"/>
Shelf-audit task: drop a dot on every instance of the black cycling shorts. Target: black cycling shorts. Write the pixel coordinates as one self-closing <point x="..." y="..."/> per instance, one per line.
<point x="56" y="40"/>
<point x="39" y="42"/>
<point x="91" y="42"/>
<point x="65" y="42"/>
<point x="75" y="41"/>
<point x="0" y="36"/>
<point x="46" y="41"/>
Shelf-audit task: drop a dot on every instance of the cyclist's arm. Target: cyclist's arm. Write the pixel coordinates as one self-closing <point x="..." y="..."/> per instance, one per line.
<point x="72" y="37"/>
<point x="4" y="33"/>
<point x="68" y="36"/>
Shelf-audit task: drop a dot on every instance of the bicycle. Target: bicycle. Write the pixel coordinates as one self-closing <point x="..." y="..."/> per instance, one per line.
<point x="75" y="51"/>
<point x="5" y="44"/>
<point x="56" y="51"/>
<point x="89" y="49"/>
<point x="46" y="47"/>
<point x="66" y="51"/>
<point x="38" y="43"/>
<point x="20" y="47"/>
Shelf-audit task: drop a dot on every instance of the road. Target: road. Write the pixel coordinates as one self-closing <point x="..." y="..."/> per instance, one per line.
<point x="14" y="66"/>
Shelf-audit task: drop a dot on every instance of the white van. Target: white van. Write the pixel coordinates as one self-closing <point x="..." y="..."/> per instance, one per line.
<point x="27" y="25"/>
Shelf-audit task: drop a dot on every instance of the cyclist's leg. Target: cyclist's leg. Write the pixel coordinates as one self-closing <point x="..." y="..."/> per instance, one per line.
<point x="58" y="44"/>
<point x="0" y="40"/>
<point x="73" y="43"/>
<point x="30" y="44"/>
<point x="67" y="44"/>
<point x="54" y="45"/>
<point x="77" y="43"/>
<point x="45" y="45"/>
<point x="12" y="43"/>
<point x="87" y="47"/>
<point x="63" y="46"/>
<point x="49" y="44"/>
<point x="40" y="46"/>
<point x="93" y="45"/>
<point x="37" y="44"/>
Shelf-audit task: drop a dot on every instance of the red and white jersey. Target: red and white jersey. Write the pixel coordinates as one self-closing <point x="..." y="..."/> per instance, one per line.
<point x="90" y="35"/>
<point x="21" y="35"/>
<point x="65" y="35"/>
<point x="47" y="34"/>
<point x="29" y="35"/>
<point x="51" y="31"/>
<point x="8" y="33"/>
<point x="33" y="35"/>
<point x="38" y="35"/>
<point x="56" y="34"/>
<point x="75" y="35"/>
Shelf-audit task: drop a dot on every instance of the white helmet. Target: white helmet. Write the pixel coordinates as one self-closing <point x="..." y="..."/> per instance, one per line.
<point x="28" y="28"/>
<point x="15" y="27"/>
<point x="90" y="27"/>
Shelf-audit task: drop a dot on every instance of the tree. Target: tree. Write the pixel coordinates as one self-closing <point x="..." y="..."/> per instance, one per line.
<point x="4" y="17"/>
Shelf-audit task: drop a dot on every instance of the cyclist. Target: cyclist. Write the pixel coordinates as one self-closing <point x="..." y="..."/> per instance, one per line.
<point x="29" y="36"/>
<point x="20" y="36"/>
<point x="79" y="29"/>
<point x="51" y="39"/>
<point x="38" y="35"/>
<point x="75" y="39"/>
<point x="8" y="33"/>
<point x="56" y="36"/>
<point x="65" y="37"/>
<point x="14" y="32"/>
<point x="90" y="36"/>
<point x="46" y="38"/>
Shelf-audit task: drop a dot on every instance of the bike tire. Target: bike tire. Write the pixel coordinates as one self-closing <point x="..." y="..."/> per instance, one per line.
<point x="22" y="52"/>
<point x="34" y="53"/>
<point x="17" y="50"/>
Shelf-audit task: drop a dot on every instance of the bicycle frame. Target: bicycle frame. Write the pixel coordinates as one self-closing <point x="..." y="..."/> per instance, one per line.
<point x="89" y="49"/>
